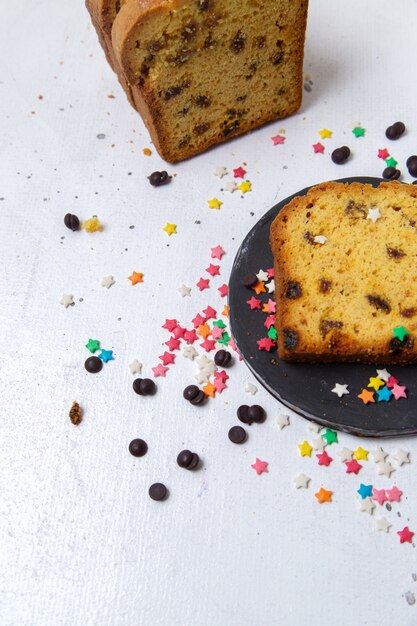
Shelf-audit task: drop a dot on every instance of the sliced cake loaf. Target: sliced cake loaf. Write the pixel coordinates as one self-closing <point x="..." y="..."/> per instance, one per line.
<point x="346" y="274"/>
<point x="207" y="70"/>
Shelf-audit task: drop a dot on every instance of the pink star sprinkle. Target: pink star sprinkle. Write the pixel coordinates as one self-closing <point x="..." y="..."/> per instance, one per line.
<point x="221" y="375"/>
<point x="203" y="283"/>
<point x="379" y="495"/>
<point x="173" y="344"/>
<point x="278" y="140"/>
<point x="392" y="381"/>
<point x="318" y="148"/>
<point x="208" y="345"/>
<point x="394" y="494"/>
<point x="270" y="272"/>
<point x="270" y="321"/>
<point x="217" y="333"/>
<point x="217" y="252"/>
<point x="170" y="325"/>
<point x="260" y="466"/>
<point x="352" y="467"/>
<point x="254" y="303"/>
<point x="239" y="172"/>
<point x="159" y="370"/>
<point x="179" y="332"/>
<point x="167" y="358"/>
<point x="210" y="313"/>
<point x="405" y="534"/>
<point x="272" y="306"/>
<point x="223" y="290"/>
<point x="266" y="344"/>
<point x="324" y="458"/>
<point x="219" y="384"/>
<point x="383" y="153"/>
<point x="214" y="270"/>
<point x="398" y="391"/>
<point x="190" y="336"/>
<point x="198" y="320"/>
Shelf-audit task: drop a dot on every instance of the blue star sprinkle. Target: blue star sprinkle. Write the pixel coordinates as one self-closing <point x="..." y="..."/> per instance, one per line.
<point x="384" y="394"/>
<point x="364" y="491"/>
<point x="107" y="355"/>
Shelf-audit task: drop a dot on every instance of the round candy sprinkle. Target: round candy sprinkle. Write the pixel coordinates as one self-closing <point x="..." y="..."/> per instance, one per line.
<point x="249" y="280"/>
<point x="395" y="131"/>
<point x="138" y="447"/>
<point x="222" y="358"/>
<point x="158" y="491"/>
<point x="412" y="165"/>
<point x="188" y="460"/>
<point x="72" y="222"/>
<point x="159" y="178"/>
<point x="340" y="155"/>
<point x="391" y="173"/>
<point x="93" y="364"/>
<point x="237" y="434"/>
<point x="144" y="386"/>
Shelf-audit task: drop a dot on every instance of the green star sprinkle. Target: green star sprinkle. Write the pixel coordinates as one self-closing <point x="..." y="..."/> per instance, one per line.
<point x="219" y="323"/>
<point x="225" y="339"/>
<point x="400" y="333"/>
<point x="391" y="162"/>
<point x="358" y="131"/>
<point x="272" y="333"/>
<point x="330" y="436"/>
<point x="93" y="345"/>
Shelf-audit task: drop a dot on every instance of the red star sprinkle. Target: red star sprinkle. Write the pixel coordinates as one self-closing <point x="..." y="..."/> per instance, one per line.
<point x="379" y="495"/>
<point x="405" y="534"/>
<point x="179" y="332"/>
<point x="239" y="172"/>
<point x="383" y="154"/>
<point x="352" y="467"/>
<point x="222" y="375"/>
<point x="278" y="140"/>
<point x="173" y="344"/>
<point x="324" y="458"/>
<point x="214" y="270"/>
<point x="203" y="283"/>
<point x="394" y="494"/>
<point x="266" y="344"/>
<point x="254" y="303"/>
<point x="217" y="252"/>
<point x="159" y="370"/>
<point x="198" y="320"/>
<point x="260" y="466"/>
<point x="392" y="381"/>
<point x="190" y="336"/>
<point x="318" y="148"/>
<point x="208" y="345"/>
<point x="270" y="321"/>
<point x="270" y="272"/>
<point x="170" y="325"/>
<point x="224" y="290"/>
<point x="167" y="358"/>
<point x="210" y="313"/>
<point x="398" y="391"/>
<point x="219" y="384"/>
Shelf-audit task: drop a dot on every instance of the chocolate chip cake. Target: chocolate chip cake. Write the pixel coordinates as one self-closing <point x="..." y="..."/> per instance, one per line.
<point x="202" y="71"/>
<point x="346" y="274"/>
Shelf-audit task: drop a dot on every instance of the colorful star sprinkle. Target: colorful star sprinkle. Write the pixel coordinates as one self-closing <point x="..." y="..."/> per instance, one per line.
<point x="374" y="215"/>
<point x="318" y="148"/>
<point x="170" y="229"/>
<point x="135" y="278"/>
<point x="360" y="454"/>
<point x="383" y="154"/>
<point x="160" y="370"/>
<point x="352" y="467"/>
<point x="305" y="449"/>
<point x="391" y="162"/>
<point x="358" y="131"/>
<point x="330" y="436"/>
<point x="213" y="270"/>
<point x="340" y="390"/>
<point x="406" y="535"/>
<point x="379" y="495"/>
<point x="325" y="133"/>
<point x="239" y="172"/>
<point x="260" y="467"/>
<point x="366" y="396"/>
<point x="323" y="495"/>
<point x="365" y="491"/>
<point x="203" y="283"/>
<point x="399" y="391"/>
<point x="375" y="383"/>
<point x="254" y="303"/>
<point x="167" y="358"/>
<point x="400" y="333"/>
<point x="106" y="355"/>
<point x="384" y="394"/>
<point x="93" y="345"/>
<point x="278" y="139"/>
<point x="245" y="186"/>
<point x="324" y="458"/>
<point x="223" y="290"/>
<point x="394" y="494"/>
<point x="266" y="343"/>
<point x="217" y="252"/>
<point x="214" y="203"/>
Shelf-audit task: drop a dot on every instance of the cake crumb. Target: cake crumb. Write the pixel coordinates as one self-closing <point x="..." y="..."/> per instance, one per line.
<point x="75" y="414"/>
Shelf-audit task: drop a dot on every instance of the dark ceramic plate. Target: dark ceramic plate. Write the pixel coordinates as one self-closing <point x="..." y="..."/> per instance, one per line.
<point x="305" y="387"/>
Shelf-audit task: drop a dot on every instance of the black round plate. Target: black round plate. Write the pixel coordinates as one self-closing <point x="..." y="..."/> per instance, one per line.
<point x="306" y="387"/>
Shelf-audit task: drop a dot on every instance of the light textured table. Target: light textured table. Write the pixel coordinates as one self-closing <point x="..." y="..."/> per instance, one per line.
<point x="81" y="542"/>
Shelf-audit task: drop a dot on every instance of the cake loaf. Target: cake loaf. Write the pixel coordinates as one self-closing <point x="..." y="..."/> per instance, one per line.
<point x="346" y="274"/>
<point x="207" y="70"/>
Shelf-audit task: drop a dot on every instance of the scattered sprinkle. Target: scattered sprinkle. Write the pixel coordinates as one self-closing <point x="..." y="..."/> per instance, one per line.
<point x="107" y="282"/>
<point x="260" y="467"/>
<point x="135" y="278"/>
<point x="214" y="203"/>
<point x="323" y="495"/>
<point x="92" y="225"/>
<point x="67" y="300"/>
<point x="325" y="133"/>
<point x="170" y="229"/>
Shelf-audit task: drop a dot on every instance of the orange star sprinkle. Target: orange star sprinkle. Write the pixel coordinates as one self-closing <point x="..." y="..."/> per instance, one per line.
<point x="136" y="278"/>
<point x="259" y="288"/>
<point x="209" y="390"/>
<point x="204" y="331"/>
<point x="366" y="396"/>
<point x="323" y="495"/>
<point x="225" y="311"/>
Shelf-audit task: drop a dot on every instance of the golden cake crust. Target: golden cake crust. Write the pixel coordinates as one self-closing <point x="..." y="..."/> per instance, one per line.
<point x="340" y="298"/>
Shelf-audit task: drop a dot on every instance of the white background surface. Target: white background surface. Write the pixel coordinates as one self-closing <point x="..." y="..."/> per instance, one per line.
<point x="81" y="542"/>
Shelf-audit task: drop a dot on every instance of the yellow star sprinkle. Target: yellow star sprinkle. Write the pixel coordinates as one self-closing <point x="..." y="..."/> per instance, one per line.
<point x="92" y="225"/>
<point x="325" y="133"/>
<point x="170" y="229"/>
<point x="305" y="448"/>
<point x="360" y="454"/>
<point x="245" y="186"/>
<point x="376" y="383"/>
<point x="214" y="203"/>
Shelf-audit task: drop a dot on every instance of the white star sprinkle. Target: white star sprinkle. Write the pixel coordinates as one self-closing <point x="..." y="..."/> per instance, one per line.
<point x="383" y="374"/>
<point x="381" y="523"/>
<point x="183" y="290"/>
<point x="340" y="390"/>
<point x="378" y="455"/>
<point x="315" y="428"/>
<point x="345" y="454"/>
<point x="107" y="282"/>
<point x="67" y="300"/>
<point x="270" y="286"/>
<point x="220" y="171"/>
<point x="401" y="457"/>
<point x="190" y="352"/>
<point x="366" y="505"/>
<point x="252" y="389"/>
<point x="374" y="215"/>
<point x="230" y="187"/>
<point x="301" y="481"/>
<point x="205" y="363"/>
<point x="262" y="276"/>
<point x="384" y="469"/>
<point x="135" y="367"/>
<point x="283" y="421"/>
<point x="202" y="377"/>
<point x="318" y="444"/>
<point x="320" y="239"/>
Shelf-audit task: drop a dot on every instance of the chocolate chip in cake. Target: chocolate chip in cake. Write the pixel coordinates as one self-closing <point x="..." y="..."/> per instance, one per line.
<point x="189" y="31"/>
<point x="278" y="57"/>
<point x="259" y="42"/>
<point x="237" y="434"/>
<point x="379" y="303"/>
<point x="188" y="460"/>
<point x="223" y="358"/>
<point x="157" y="179"/>
<point x="325" y="285"/>
<point x="184" y="142"/>
<point x="293" y="291"/>
<point x="309" y="237"/>
<point x="172" y="92"/>
<point x="249" y="280"/>
<point x="395" y="345"/>
<point x="327" y="325"/>
<point x="202" y="101"/>
<point x="395" y="253"/>
<point x="412" y="165"/>
<point x="158" y="491"/>
<point x="138" y="447"/>
<point x="72" y="222"/>
<point x="203" y="5"/>
<point x="200" y="129"/>
<point x="408" y="313"/>
<point x="93" y="365"/>
<point x="290" y="339"/>
<point x="144" y="386"/>
<point x="209" y="42"/>
<point x="238" y="42"/>
<point x="391" y="173"/>
<point x="395" y="131"/>
<point x="340" y="155"/>
<point x="180" y="57"/>
<point x="356" y="209"/>
<point x="231" y="127"/>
